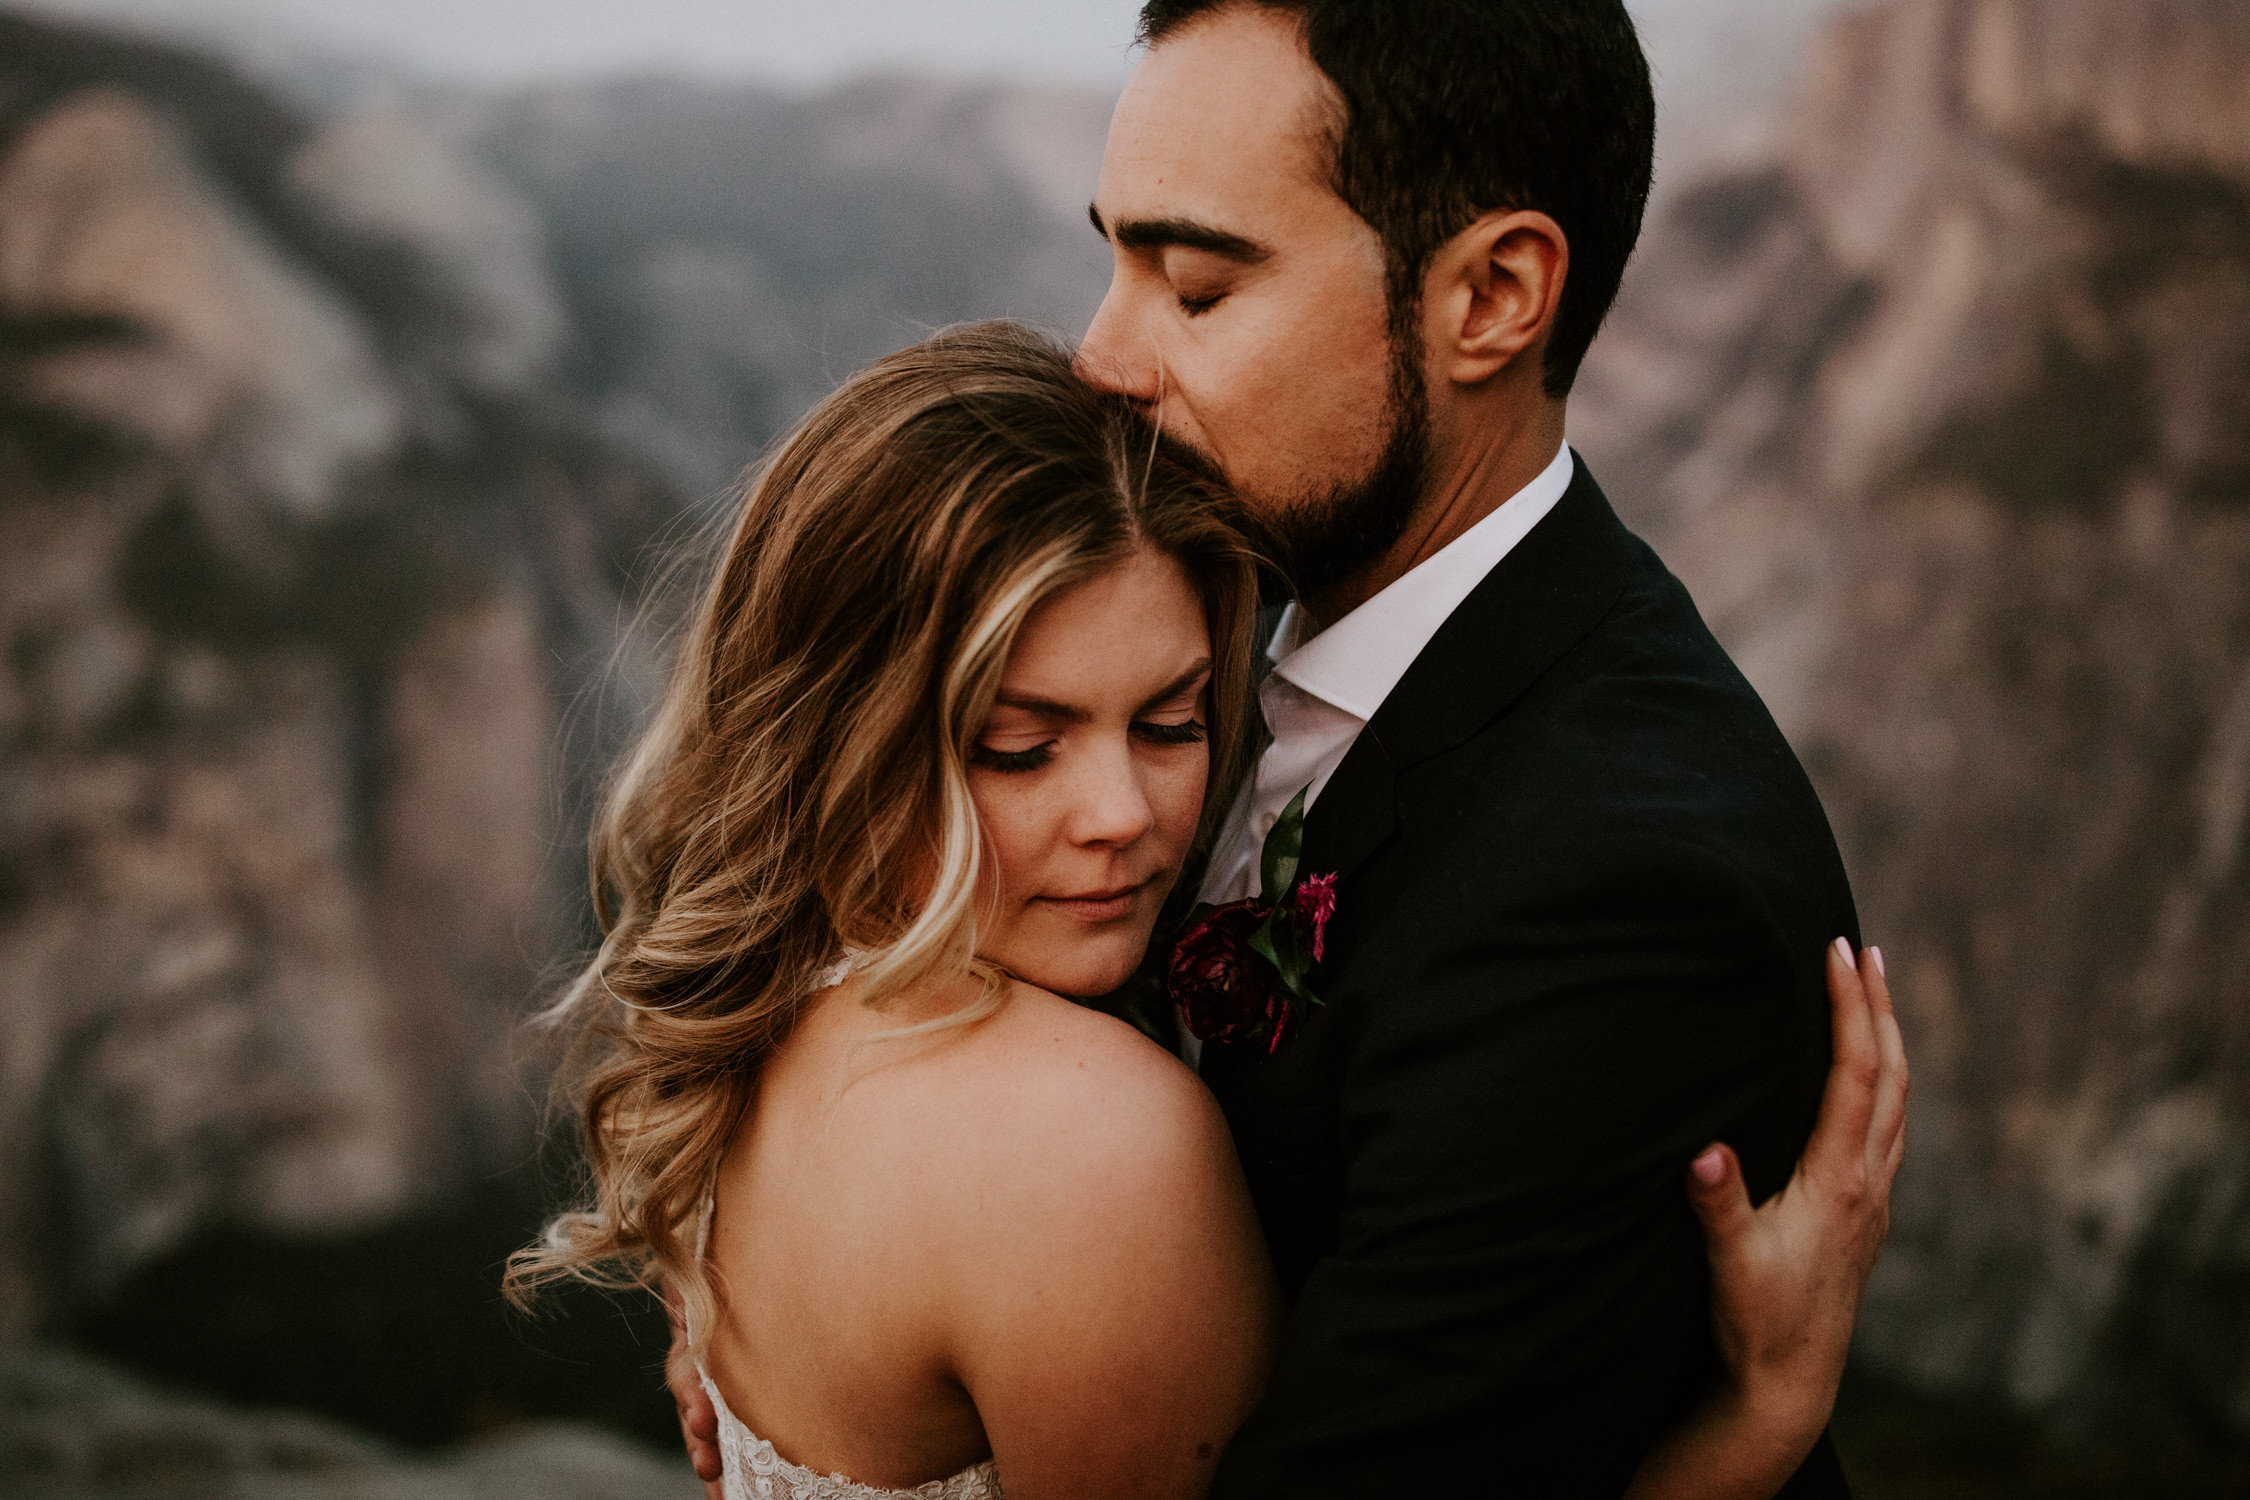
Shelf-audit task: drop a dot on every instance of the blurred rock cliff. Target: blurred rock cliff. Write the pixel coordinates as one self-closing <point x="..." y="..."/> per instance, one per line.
<point x="1941" y="407"/>
<point x="333" y="448"/>
<point x="297" y="565"/>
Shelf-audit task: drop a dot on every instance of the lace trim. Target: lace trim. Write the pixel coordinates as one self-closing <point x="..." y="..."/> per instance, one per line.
<point x="839" y="971"/>
<point x="755" y="1472"/>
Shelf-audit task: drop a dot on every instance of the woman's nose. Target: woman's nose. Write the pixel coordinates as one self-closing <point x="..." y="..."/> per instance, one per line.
<point x="1113" y="809"/>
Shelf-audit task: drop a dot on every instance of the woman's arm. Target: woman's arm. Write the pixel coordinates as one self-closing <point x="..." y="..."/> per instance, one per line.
<point x="1786" y="1277"/>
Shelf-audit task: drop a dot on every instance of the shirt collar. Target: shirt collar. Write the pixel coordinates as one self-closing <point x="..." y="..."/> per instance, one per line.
<point x="1355" y="663"/>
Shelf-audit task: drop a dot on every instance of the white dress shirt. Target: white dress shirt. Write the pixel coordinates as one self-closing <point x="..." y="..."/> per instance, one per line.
<point x="1324" y="689"/>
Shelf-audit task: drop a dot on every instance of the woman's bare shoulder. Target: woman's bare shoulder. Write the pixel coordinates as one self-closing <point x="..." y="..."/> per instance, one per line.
<point x="1081" y="1082"/>
<point x="1043" y="1030"/>
<point x="1111" y="1245"/>
<point x="1060" y="1110"/>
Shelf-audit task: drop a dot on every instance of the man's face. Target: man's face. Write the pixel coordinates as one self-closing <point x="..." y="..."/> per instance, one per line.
<point x="1247" y="305"/>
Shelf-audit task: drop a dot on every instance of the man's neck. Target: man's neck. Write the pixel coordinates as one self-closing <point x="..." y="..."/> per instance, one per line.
<point x="1479" y="471"/>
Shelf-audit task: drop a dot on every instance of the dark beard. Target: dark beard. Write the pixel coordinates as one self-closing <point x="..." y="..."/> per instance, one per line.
<point x="1325" y="541"/>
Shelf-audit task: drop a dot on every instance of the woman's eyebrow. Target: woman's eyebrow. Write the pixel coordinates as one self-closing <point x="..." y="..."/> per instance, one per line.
<point x="1192" y="677"/>
<point x="1049" y="708"/>
<point x="1046" y="708"/>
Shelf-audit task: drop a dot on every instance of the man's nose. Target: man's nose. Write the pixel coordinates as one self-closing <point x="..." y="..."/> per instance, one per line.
<point x="1110" y="358"/>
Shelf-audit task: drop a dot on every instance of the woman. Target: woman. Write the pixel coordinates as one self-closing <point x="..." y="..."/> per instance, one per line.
<point x="966" y="692"/>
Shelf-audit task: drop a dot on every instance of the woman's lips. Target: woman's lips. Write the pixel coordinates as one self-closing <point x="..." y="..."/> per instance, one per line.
<point x="1096" y="906"/>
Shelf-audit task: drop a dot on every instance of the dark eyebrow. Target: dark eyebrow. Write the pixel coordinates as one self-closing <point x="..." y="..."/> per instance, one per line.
<point x="1176" y="686"/>
<point x="1159" y="234"/>
<point x="1047" y="708"/>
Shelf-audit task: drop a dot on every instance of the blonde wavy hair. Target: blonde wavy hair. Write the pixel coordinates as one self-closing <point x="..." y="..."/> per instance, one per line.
<point x="803" y="788"/>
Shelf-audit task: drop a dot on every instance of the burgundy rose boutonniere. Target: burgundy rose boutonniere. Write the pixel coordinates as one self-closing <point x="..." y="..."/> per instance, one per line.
<point x="1241" y="965"/>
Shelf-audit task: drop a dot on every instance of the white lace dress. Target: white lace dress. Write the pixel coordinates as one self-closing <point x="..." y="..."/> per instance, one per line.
<point x="755" y="1472"/>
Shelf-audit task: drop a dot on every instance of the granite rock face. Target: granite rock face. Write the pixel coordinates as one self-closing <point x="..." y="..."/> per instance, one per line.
<point x="731" y="252"/>
<point x="292" y="595"/>
<point x="1942" y="409"/>
<point x="334" y="454"/>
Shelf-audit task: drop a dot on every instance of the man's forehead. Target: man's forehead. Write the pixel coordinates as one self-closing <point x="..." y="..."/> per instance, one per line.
<point x="1230" y="108"/>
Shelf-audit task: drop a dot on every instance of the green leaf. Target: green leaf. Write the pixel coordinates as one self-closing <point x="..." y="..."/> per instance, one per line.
<point x="1285" y="841"/>
<point x="1280" y="941"/>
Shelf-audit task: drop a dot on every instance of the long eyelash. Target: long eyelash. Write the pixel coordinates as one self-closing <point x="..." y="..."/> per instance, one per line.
<point x="1189" y="733"/>
<point x="1196" y="307"/>
<point x="1012" y="760"/>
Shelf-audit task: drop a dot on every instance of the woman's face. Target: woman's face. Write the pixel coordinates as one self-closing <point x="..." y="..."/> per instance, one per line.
<point x="1089" y="776"/>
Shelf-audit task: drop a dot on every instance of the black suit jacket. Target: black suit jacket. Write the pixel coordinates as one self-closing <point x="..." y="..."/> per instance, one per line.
<point x="1586" y="892"/>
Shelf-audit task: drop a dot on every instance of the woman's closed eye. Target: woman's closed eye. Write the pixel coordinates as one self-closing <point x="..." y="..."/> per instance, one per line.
<point x="1030" y="759"/>
<point x="1183" y="732"/>
<point x="1035" y="757"/>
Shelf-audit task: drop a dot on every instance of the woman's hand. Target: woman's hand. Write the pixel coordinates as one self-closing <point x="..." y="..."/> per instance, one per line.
<point x="1786" y="1278"/>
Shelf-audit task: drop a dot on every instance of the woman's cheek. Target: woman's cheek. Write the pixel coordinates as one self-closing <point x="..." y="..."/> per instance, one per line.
<point x="1181" y="807"/>
<point x="1007" y="811"/>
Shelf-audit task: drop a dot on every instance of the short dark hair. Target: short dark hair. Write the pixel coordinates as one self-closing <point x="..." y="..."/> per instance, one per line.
<point x="1454" y="108"/>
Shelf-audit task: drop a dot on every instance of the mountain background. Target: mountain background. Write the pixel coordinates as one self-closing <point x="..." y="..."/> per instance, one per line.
<point x="349" y="421"/>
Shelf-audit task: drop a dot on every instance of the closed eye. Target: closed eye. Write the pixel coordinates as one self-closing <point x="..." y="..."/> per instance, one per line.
<point x="1011" y="761"/>
<point x="1189" y="732"/>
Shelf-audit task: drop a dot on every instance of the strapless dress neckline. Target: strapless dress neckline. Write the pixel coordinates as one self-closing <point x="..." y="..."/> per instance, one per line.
<point x="754" y="1471"/>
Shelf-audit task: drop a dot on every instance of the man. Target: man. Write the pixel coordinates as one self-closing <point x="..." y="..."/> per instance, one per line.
<point x="1584" y="890"/>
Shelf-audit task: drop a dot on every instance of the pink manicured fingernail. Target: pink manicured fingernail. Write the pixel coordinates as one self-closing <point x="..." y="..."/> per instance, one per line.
<point x="1710" y="1167"/>
<point x="1877" y="955"/>
<point x="1844" y="952"/>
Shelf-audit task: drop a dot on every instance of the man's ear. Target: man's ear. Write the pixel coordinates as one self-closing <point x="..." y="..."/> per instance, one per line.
<point x="1491" y="293"/>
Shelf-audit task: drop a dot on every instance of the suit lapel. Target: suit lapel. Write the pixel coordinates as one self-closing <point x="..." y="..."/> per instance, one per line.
<point x="1535" y="604"/>
<point x="1353" y="816"/>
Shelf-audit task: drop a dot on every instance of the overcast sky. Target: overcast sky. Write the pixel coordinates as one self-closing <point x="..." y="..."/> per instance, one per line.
<point x="803" y="40"/>
<point x="807" y="40"/>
